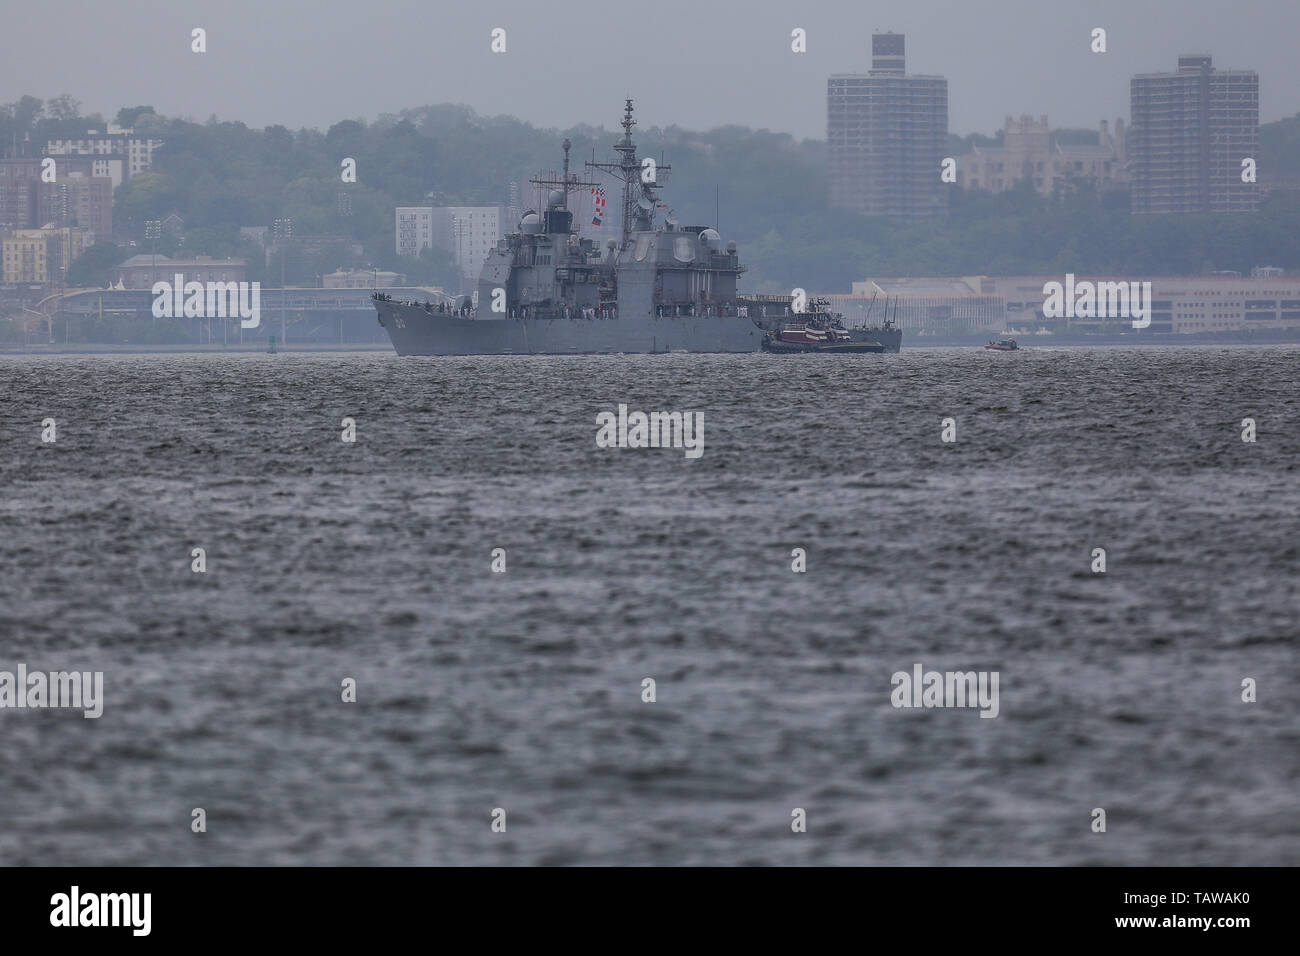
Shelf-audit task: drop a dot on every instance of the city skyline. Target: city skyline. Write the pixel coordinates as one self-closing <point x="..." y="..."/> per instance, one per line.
<point x="414" y="57"/>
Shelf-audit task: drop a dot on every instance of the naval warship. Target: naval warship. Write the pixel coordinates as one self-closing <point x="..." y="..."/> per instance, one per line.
<point x="545" y="289"/>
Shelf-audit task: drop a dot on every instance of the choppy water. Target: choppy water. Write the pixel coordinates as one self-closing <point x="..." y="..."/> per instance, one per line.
<point x="522" y="690"/>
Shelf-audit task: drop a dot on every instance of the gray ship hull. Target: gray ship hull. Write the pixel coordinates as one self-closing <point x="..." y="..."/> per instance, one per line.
<point x="415" y="331"/>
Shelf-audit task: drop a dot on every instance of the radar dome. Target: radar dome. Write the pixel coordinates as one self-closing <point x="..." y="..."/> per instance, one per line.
<point x="710" y="235"/>
<point x="557" y="197"/>
<point x="531" y="224"/>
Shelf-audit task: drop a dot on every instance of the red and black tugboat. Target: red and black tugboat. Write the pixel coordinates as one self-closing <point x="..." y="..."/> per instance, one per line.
<point x="807" y="338"/>
<point x="821" y="332"/>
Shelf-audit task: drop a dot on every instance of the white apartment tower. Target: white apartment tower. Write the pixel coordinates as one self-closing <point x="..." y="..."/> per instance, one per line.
<point x="467" y="232"/>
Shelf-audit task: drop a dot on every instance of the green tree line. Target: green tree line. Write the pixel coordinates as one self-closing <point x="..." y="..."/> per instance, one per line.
<point x="769" y="191"/>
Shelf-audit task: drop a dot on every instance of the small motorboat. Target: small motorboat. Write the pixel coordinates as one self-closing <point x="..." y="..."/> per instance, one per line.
<point x="1004" y="345"/>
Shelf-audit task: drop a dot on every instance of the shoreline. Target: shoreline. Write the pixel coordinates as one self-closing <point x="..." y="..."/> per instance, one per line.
<point x="59" y="348"/>
<point x="1026" y="343"/>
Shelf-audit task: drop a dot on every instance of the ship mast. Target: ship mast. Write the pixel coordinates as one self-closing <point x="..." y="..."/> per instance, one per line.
<point x="639" y="198"/>
<point x="566" y="184"/>
<point x="564" y="204"/>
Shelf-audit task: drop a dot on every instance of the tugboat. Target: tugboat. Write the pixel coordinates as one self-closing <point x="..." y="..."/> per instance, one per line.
<point x="1003" y="345"/>
<point x="817" y="329"/>
<point x="815" y="336"/>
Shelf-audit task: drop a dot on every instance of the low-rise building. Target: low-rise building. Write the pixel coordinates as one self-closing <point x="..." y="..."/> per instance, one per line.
<point x="256" y="233"/>
<point x="1179" y="304"/>
<point x="124" y="154"/>
<point x="930" y="305"/>
<point x="25" y="257"/>
<point x="39" y="255"/>
<point x="363" y="279"/>
<point x="1028" y="151"/>
<point x="141" y="271"/>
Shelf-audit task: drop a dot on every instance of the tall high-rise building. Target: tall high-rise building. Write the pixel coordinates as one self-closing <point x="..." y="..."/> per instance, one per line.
<point x="18" y="187"/>
<point x="1188" y="135"/>
<point x="80" y="200"/>
<point x="887" y="135"/>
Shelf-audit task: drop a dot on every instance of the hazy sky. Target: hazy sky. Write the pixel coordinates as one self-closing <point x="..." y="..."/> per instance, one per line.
<point x="695" y="63"/>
